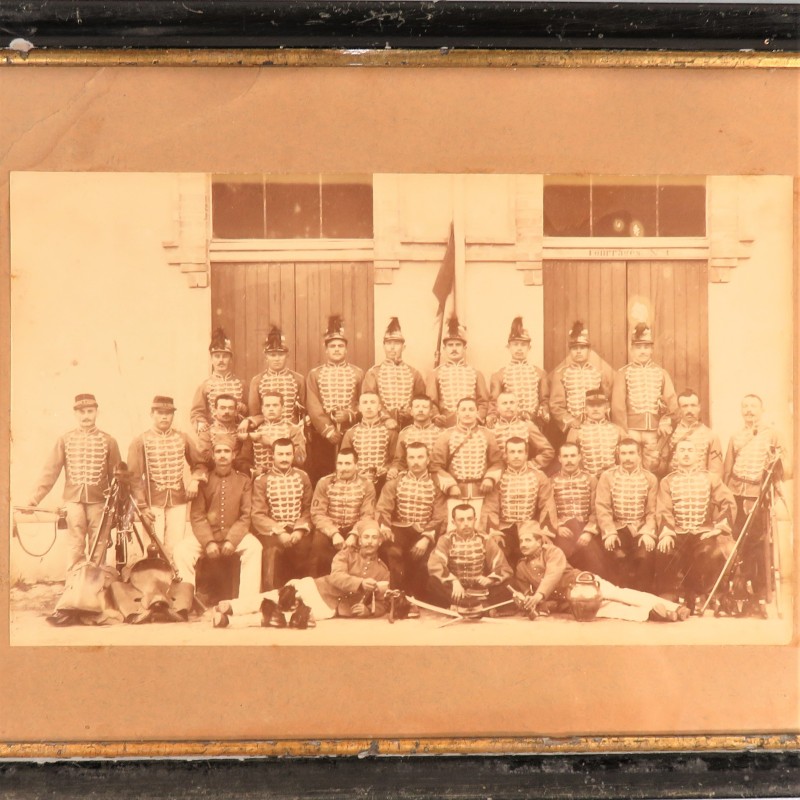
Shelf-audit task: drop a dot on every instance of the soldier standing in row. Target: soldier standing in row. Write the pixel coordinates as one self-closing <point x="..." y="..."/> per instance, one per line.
<point x="455" y="379"/>
<point x="221" y="381"/>
<point x="528" y="382"/>
<point x="706" y="442"/>
<point x="332" y="392"/>
<point x="582" y="371"/>
<point x="394" y="381"/>
<point x="157" y="459"/>
<point x="88" y="457"/>
<point x="224" y="424"/>
<point x="421" y="430"/>
<point x="508" y="423"/>
<point x="274" y="426"/>
<point x="643" y="400"/>
<point x="276" y="378"/>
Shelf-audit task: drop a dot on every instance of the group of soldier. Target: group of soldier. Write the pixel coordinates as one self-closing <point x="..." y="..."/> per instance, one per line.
<point x="355" y="485"/>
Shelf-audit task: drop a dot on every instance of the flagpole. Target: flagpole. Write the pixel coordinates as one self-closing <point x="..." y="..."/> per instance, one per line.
<point x="460" y="255"/>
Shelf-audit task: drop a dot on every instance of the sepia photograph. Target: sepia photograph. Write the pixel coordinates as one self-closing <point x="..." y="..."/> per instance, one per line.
<point x="394" y="406"/>
<point x="401" y="409"/>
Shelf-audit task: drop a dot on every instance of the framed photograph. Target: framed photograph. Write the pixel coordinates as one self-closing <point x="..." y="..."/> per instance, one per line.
<point x="382" y="201"/>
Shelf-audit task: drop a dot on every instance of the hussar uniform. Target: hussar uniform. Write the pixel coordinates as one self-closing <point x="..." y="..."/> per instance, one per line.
<point x="337" y="505"/>
<point x="692" y="502"/>
<point x="412" y="507"/>
<point x="395" y="383"/>
<point x="375" y="445"/>
<point x="242" y="451"/>
<point x="453" y="381"/>
<point x="642" y="395"/>
<point x="598" y="442"/>
<point x="569" y="382"/>
<point x="520" y="495"/>
<point x="749" y="454"/>
<point x="574" y="497"/>
<point x="625" y="504"/>
<point x="539" y="448"/>
<point x="221" y="512"/>
<point x="202" y="410"/>
<point x="266" y="434"/>
<point x="157" y="460"/>
<point x="88" y="458"/>
<point x="466" y="558"/>
<point x="290" y="385"/>
<point x="528" y="382"/>
<point x="330" y="388"/>
<point x="414" y="434"/>
<point x="706" y="444"/>
<point x="282" y="504"/>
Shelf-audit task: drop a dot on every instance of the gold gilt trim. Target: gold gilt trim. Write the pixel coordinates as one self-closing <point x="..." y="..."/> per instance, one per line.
<point x="301" y="748"/>
<point x="443" y="57"/>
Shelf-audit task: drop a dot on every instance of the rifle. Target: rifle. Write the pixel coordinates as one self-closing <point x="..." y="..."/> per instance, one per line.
<point x="764" y="492"/>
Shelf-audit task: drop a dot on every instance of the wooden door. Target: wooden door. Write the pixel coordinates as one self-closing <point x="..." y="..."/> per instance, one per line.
<point x="246" y="299"/>
<point x="611" y="296"/>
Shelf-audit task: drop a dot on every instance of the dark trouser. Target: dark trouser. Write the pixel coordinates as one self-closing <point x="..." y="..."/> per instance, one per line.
<point x="509" y="544"/>
<point x="441" y="594"/>
<point x="322" y="552"/>
<point x="280" y="564"/>
<point x="590" y="557"/>
<point x="755" y="555"/>
<point x="321" y="459"/>
<point x="632" y="567"/>
<point x="405" y="571"/>
<point x="690" y="569"/>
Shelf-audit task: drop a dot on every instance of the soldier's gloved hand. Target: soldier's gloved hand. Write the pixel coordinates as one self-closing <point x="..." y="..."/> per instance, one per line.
<point x="647" y="541"/>
<point x="710" y="534"/>
<point x="454" y="491"/>
<point x="484" y="580"/>
<point x="531" y="601"/>
<point x="421" y="547"/>
<point x="369" y="584"/>
<point x="544" y="414"/>
<point x="611" y="542"/>
<point x="295" y="536"/>
<point x="341" y="416"/>
<point x="334" y="437"/>
<point x="228" y="548"/>
<point x="244" y="428"/>
<point x="390" y="424"/>
<point x="192" y="487"/>
<point x="491" y="420"/>
<point x="585" y="539"/>
<point x="337" y="540"/>
<point x="666" y="544"/>
<point x="360" y="610"/>
<point x="387" y="534"/>
<point x="665" y="426"/>
<point x="440" y="420"/>
<point x="351" y="541"/>
<point x="457" y="590"/>
<point x="212" y="550"/>
<point x="392" y="473"/>
<point x="566" y="533"/>
<point x="285" y="539"/>
<point x="201" y="425"/>
<point x="487" y="484"/>
<point x="147" y="515"/>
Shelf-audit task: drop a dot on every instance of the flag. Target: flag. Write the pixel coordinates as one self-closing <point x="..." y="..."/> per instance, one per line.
<point x="445" y="278"/>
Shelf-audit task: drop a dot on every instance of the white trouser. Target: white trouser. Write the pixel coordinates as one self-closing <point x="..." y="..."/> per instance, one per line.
<point x="245" y="609"/>
<point x="188" y="551"/>
<point x="83" y="520"/>
<point x="170" y="525"/>
<point x="628" y="604"/>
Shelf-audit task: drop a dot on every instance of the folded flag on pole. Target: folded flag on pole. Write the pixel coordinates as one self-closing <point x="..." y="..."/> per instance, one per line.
<point x="443" y="287"/>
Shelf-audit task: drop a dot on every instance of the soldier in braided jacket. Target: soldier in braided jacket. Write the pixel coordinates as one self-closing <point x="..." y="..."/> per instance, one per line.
<point x="625" y="503"/>
<point x="508" y="423"/>
<point x="422" y="430"/>
<point x="695" y="515"/>
<point x="597" y="437"/>
<point x="224" y="424"/>
<point x="706" y="442"/>
<point x="88" y="457"/>
<point x="221" y="381"/>
<point x="643" y="400"/>
<point x="281" y="517"/>
<point x="274" y="426"/>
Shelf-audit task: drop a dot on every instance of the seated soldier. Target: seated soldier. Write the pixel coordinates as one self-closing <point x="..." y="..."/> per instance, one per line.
<point x="355" y="587"/>
<point x="340" y="501"/>
<point x="625" y="502"/>
<point x="467" y="567"/>
<point x="507" y="423"/>
<point x="695" y="513"/>
<point x="544" y="577"/>
<point x="281" y="517"/>
<point x="220" y="518"/>
<point x="522" y="493"/>
<point x="372" y="440"/>
<point x="422" y="429"/>
<point x="274" y="426"/>
<point x="412" y="511"/>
